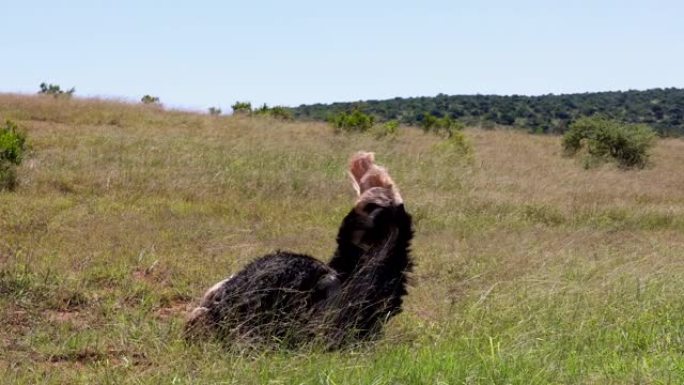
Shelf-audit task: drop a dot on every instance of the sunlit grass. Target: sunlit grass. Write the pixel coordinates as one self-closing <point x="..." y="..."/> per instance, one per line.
<point x="529" y="269"/>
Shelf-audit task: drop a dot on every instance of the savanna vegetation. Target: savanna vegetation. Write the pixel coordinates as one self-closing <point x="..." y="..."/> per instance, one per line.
<point x="608" y="140"/>
<point x="277" y="112"/>
<point x="55" y="90"/>
<point x="529" y="269"/>
<point x="12" y="148"/>
<point x="214" y="111"/>
<point x="662" y="109"/>
<point x="355" y="121"/>
<point x="149" y="99"/>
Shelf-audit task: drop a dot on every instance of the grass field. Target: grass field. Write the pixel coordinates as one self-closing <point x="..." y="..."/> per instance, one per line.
<point x="529" y="269"/>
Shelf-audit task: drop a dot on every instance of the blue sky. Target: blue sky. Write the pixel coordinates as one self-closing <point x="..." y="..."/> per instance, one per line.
<point x="196" y="54"/>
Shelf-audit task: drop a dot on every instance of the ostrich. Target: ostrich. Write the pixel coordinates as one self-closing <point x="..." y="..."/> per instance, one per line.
<point x="294" y="298"/>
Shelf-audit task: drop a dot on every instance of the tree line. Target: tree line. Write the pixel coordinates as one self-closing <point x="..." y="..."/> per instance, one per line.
<point x="662" y="109"/>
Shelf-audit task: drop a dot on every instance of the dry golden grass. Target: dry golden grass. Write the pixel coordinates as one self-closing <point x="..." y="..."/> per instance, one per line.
<point x="530" y="269"/>
<point x="521" y="169"/>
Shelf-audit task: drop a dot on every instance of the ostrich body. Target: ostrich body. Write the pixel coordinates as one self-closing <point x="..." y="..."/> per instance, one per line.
<point x="295" y="298"/>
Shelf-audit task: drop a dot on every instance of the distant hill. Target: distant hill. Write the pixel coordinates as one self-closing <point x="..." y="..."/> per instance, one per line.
<point x="662" y="109"/>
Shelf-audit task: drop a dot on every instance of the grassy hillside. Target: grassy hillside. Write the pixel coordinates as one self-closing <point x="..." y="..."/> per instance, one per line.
<point x="530" y="269"/>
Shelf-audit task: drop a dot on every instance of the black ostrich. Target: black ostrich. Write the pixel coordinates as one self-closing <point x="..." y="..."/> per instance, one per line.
<point x="294" y="298"/>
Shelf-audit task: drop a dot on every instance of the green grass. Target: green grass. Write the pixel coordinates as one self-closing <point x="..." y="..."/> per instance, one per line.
<point x="529" y="269"/>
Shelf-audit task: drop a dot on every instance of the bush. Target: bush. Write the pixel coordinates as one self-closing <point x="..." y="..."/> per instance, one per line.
<point x="605" y="139"/>
<point x="356" y="121"/>
<point x="149" y="99"/>
<point x="12" y="147"/>
<point x="455" y="148"/>
<point x="277" y="112"/>
<point x="242" y="108"/>
<point x="263" y="110"/>
<point x="214" y="111"/>
<point x="428" y="122"/>
<point x="280" y="112"/>
<point x="388" y="129"/>
<point x="55" y="90"/>
<point x="445" y="125"/>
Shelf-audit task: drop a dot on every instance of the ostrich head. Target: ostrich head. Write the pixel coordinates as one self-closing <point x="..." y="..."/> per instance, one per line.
<point x="378" y="200"/>
<point x="372" y="183"/>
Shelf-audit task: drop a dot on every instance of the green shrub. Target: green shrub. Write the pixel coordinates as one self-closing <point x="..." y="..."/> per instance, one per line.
<point x="356" y="121"/>
<point x="456" y="148"/>
<point x="605" y="139"/>
<point x="55" y="90"/>
<point x="277" y="112"/>
<point x="428" y="122"/>
<point x="242" y="108"/>
<point x="457" y="142"/>
<point x="389" y="129"/>
<point x="445" y="125"/>
<point x="214" y="111"/>
<point x="263" y="110"/>
<point x="12" y="147"/>
<point x="149" y="99"/>
<point x="280" y="112"/>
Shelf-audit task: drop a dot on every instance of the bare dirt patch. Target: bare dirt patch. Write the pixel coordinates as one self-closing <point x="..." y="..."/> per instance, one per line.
<point x="75" y="318"/>
<point x="176" y="309"/>
<point x="90" y="356"/>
